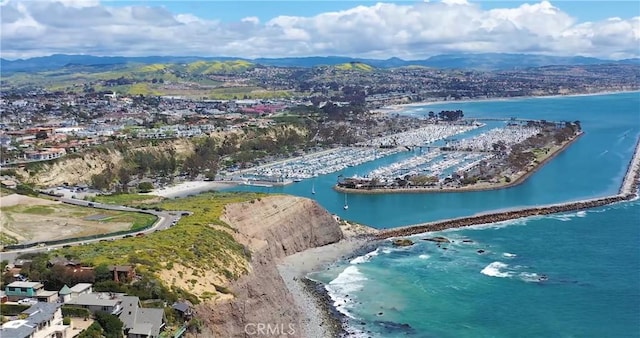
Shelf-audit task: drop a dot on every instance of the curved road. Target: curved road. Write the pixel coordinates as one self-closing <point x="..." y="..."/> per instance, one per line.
<point x="165" y="220"/>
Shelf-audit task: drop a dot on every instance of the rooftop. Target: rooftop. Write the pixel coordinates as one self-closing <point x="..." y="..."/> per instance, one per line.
<point x="81" y="287"/>
<point x="38" y="313"/>
<point x="94" y="299"/>
<point x="35" y="285"/>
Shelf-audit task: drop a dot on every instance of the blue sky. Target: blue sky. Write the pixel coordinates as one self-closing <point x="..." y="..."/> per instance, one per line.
<point x="252" y="29"/>
<point x="233" y="10"/>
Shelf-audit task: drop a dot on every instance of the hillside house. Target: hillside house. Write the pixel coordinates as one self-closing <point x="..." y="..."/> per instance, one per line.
<point x="44" y="320"/>
<point x="20" y="290"/>
<point x="141" y="322"/>
<point x="95" y="302"/>
<point x="81" y="289"/>
<point x="184" y="309"/>
<point x="122" y="273"/>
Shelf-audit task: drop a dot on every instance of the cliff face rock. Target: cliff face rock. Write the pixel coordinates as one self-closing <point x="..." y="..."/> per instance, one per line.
<point x="72" y="169"/>
<point x="272" y="227"/>
<point x="80" y="167"/>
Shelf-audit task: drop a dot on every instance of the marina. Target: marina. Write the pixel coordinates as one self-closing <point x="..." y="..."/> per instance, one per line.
<point x="333" y="160"/>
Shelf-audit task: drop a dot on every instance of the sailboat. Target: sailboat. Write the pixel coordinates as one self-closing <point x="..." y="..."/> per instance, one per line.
<point x="313" y="188"/>
<point x="346" y="206"/>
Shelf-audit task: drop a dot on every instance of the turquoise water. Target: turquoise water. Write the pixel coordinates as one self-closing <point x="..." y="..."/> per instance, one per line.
<point x="590" y="260"/>
<point x="593" y="166"/>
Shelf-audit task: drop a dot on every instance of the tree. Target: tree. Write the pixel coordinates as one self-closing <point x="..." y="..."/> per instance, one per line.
<point x="102" y="273"/>
<point x="145" y="186"/>
<point x="111" y="324"/>
<point x="124" y="177"/>
<point x="93" y="331"/>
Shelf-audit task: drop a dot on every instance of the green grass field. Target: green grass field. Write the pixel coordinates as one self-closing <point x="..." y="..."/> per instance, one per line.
<point x="192" y="242"/>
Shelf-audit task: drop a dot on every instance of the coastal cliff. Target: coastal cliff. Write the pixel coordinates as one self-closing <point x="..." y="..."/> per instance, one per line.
<point x="78" y="168"/>
<point x="272" y="227"/>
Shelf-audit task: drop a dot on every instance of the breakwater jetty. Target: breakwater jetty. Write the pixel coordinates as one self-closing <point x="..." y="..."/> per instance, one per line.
<point x="628" y="191"/>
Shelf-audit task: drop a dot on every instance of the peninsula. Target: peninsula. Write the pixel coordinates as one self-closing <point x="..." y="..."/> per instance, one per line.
<point x="497" y="159"/>
<point x="628" y="191"/>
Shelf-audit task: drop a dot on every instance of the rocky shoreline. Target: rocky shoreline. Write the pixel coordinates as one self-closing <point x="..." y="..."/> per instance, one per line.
<point x="332" y="320"/>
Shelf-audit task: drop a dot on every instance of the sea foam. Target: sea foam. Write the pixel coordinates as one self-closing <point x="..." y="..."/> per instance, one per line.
<point x="365" y="258"/>
<point x="342" y="288"/>
<point x="493" y="270"/>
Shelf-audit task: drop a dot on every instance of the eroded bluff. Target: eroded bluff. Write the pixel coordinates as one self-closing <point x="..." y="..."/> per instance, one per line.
<point x="272" y="227"/>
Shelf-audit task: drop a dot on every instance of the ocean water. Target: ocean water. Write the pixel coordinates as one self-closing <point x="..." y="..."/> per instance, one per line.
<point x="592" y="167"/>
<point x="565" y="275"/>
<point x="568" y="275"/>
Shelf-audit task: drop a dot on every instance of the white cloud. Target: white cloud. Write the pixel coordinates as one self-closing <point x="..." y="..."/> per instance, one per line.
<point x="381" y="30"/>
<point x="252" y="19"/>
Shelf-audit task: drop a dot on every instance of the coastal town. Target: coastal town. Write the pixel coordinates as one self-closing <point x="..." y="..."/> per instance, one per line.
<point x="109" y="153"/>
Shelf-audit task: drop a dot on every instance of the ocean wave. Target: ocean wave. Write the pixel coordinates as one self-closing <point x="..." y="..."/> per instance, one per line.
<point x="502" y="224"/>
<point x="386" y="251"/>
<point x="423" y="256"/>
<point x="532" y="277"/>
<point x="568" y="216"/>
<point x="365" y="258"/>
<point x="493" y="270"/>
<point x="342" y="288"/>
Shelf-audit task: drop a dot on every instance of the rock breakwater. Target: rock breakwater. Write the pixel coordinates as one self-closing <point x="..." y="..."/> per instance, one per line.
<point x="628" y="191"/>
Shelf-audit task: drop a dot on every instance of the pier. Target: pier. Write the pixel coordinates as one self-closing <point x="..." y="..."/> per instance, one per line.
<point x="628" y="191"/>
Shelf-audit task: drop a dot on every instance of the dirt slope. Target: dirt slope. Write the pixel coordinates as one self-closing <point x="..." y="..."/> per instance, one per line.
<point x="272" y="227"/>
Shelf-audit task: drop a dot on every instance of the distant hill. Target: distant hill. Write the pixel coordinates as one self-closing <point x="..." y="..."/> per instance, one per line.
<point x="357" y="66"/>
<point x="204" y="65"/>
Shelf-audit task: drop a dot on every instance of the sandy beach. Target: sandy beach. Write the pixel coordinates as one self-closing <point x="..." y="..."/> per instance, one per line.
<point x="189" y="188"/>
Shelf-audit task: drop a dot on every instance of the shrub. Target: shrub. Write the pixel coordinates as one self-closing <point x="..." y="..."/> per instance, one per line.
<point x="145" y="187"/>
<point x="73" y="311"/>
<point x="12" y="309"/>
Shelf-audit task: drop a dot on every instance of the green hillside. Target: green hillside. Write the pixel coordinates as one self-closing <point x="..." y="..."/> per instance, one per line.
<point x="218" y="67"/>
<point x="355" y="66"/>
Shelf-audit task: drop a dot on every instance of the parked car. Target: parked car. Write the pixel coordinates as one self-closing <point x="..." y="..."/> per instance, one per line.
<point x="27" y="301"/>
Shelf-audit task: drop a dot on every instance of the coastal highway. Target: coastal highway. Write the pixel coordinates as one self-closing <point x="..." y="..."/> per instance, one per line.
<point x="165" y="220"/>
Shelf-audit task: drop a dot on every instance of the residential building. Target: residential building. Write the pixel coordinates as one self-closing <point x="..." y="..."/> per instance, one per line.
<point x="141" y="322"/>
<point x="81" y="289"/>
<point x="44" y="320"/>
<point x="123" y="273"/>
<point x="47" y="296"/>
<point x="184" y="309"/>
<point x="65" y="294"/>
<point x="94" y="302"/>
<point x="19" y="290"/>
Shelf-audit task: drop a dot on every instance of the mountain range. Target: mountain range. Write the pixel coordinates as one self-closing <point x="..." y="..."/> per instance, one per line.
<point x="486" y="61"/>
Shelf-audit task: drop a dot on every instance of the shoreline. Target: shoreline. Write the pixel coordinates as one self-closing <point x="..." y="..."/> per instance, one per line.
<point x="324" y="304"/>
<point x="628" y="190"/>
<point x="396" y="108"/>
<point x="428" y="190"/>
<point x="320" y="318"/>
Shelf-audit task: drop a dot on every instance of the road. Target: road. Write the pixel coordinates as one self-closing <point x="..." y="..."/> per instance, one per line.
<point x="166" y="219"/>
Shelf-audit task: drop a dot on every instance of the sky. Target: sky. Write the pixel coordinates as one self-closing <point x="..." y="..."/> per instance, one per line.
<point x="367" y="29"/>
